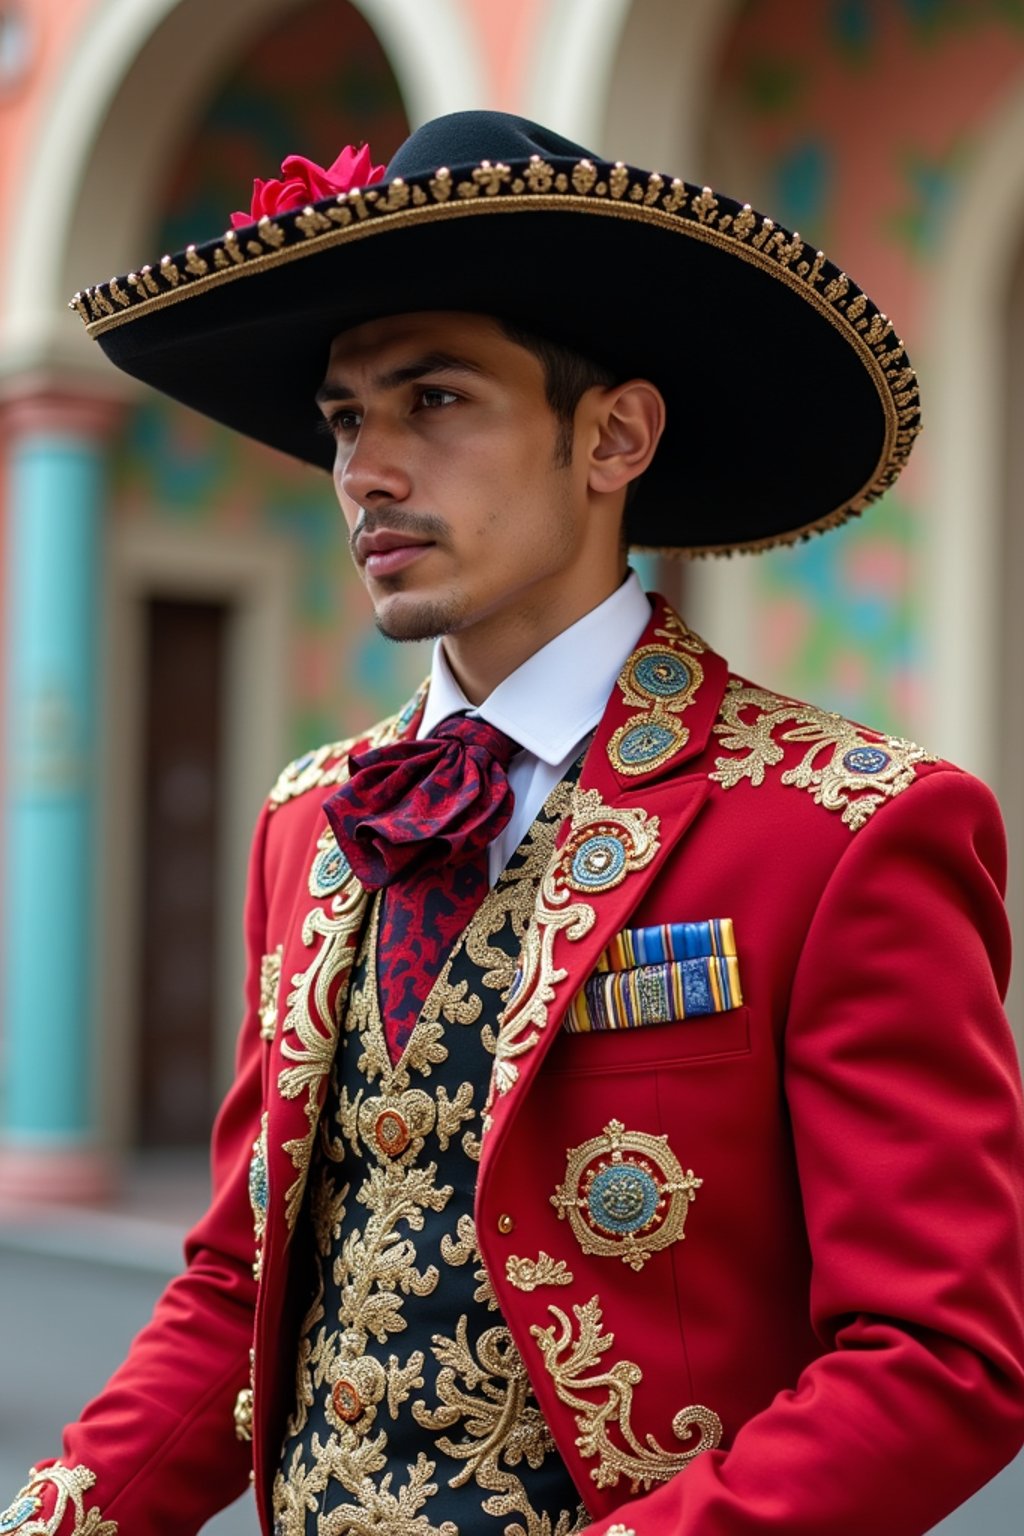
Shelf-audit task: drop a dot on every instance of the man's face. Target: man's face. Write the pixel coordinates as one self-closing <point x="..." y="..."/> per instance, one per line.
<point x="446" y="472"/>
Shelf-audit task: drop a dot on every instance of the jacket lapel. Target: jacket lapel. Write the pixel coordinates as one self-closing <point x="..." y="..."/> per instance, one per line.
<point x="633" y="804"/>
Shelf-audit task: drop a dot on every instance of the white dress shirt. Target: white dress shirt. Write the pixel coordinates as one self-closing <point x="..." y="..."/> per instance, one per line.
<point x="550" y="704"/>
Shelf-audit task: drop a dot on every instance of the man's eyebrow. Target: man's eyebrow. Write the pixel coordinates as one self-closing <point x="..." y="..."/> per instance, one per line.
<point x="407" y="373"/>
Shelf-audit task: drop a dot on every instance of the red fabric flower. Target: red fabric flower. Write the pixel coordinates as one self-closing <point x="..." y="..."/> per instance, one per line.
<point x="305" y="182"/>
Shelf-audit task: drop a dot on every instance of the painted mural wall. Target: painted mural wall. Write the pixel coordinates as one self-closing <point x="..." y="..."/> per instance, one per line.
<point x="315" y="82"/>
<point x="857" y="119"/>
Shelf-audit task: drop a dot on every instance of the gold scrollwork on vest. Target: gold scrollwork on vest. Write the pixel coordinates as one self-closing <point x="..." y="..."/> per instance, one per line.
<point x="487" y="1391"/>
<point x="372" y="1508"/>
<point x="573" y="1360"/>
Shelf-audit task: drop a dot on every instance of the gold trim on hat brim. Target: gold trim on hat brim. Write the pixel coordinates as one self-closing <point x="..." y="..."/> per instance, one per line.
<point x="492" y="189"/>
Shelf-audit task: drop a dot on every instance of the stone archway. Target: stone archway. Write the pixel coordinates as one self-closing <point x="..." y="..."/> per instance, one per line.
<point x="87" y="196"/>
<point x="596" y="59"/>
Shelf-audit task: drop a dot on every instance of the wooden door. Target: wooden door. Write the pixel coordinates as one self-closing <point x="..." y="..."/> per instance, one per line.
<point x="181" y="819"/>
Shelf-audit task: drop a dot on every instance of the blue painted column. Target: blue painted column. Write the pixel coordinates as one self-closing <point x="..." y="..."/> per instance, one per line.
<point x="49" y="1147"/>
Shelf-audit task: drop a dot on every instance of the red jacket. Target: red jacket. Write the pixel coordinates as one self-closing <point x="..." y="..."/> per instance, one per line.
<point x="843" y="1317"/>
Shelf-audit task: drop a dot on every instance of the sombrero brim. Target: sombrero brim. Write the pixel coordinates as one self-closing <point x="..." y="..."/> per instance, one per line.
<point x="791" y="403"/>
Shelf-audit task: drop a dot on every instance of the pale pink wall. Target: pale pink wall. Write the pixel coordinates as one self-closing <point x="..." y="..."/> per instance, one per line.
<point x="55" y="27"/>
<point x="508" y="34"/>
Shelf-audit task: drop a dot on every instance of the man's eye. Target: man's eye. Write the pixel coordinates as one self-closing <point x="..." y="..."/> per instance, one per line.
<point x="343" y="421"/>
<point x="432" y="398"/>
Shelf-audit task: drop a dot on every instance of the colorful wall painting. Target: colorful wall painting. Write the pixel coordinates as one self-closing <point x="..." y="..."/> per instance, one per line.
<point x="858" y="120"/>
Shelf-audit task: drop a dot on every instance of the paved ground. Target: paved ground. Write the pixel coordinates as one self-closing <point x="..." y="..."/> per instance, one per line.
<point x="74" y="1290"/>
<point x="75" y="1287"/>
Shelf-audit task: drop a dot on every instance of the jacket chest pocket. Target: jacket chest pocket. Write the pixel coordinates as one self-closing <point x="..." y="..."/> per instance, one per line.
<point x="677" y="982"/>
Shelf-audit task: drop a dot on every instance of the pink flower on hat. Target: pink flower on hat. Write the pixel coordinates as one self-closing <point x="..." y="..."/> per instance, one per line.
<point x="305" y="182"/>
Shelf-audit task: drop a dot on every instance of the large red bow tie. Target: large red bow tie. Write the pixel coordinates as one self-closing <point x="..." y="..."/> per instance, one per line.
<point x="416" y="804"/>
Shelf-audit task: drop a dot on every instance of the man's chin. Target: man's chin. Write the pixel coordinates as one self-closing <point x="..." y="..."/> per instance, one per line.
<point x="409" y="618"/>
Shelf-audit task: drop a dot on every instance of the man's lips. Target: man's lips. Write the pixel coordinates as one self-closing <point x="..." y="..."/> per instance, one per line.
<point x="385" y="552"/>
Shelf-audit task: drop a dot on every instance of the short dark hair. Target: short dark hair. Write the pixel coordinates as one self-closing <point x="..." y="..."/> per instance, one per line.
<point x="568" y="375"/>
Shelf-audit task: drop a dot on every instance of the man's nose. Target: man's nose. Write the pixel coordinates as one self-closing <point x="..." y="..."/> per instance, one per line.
<point x="375" y="468"/>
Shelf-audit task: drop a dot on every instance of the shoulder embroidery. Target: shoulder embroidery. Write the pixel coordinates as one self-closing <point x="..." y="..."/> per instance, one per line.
<point x="845" y="768"/>
<point x="328" y="764"/>
<point x="71" y="1484"/>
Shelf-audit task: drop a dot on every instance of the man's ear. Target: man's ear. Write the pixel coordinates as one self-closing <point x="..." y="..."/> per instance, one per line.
<point x="629" y="420"/>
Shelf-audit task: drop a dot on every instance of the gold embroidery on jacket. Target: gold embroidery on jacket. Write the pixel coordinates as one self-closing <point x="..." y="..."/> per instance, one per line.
<point x="270" y="981"/>
<point x="72" y="1484"/>
<point x="635" y="835"/>
<point x="574" y="1363"/>
<point x="310" y="1027"/>
<point x="861" y="771"/>
<point x="661" y="681"/>
<point x="530" y="1274"/>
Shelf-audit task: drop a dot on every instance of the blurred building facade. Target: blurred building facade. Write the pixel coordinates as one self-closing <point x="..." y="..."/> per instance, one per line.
<point x="179" y="613"/>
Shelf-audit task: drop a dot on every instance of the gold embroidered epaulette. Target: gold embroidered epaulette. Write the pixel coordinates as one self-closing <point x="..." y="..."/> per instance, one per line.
<point x="845" y="768"/>
<point x="328" y="764"/>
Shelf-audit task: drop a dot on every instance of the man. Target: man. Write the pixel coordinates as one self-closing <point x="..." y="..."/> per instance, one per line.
<point x="624" y="1102"/>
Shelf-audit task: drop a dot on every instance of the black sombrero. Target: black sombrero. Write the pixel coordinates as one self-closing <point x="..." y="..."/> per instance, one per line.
<point x="791" y="403"/>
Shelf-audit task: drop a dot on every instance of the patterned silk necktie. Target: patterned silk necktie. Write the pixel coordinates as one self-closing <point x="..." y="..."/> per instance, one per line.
<point x="415" y="819"/>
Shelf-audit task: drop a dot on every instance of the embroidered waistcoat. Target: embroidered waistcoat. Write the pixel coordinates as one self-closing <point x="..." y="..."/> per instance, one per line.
<point x="413" y="1410"/>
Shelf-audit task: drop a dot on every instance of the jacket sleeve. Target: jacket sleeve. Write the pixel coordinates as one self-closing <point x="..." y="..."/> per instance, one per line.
<point x="157" y="1451"/>
<point x="904" y="1095"/>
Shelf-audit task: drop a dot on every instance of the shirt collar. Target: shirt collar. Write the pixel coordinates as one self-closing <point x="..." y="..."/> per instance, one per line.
<point x="558" y="695"/>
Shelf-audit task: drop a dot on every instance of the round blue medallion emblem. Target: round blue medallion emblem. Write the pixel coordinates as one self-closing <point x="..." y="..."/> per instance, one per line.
<point x="599" y="862"/>
<point x="644" y="743"/>
<point x="661" y="675"/>
<point x="330" y="871"/>
<point x="866" y="760"/>
<point x="623" y="1198"/>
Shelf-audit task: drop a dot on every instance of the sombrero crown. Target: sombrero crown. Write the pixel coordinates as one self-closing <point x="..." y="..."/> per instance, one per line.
<point x="791" y="403"/>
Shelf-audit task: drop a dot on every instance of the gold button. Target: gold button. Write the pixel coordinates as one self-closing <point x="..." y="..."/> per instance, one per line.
<point x="505" y="1224"/>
